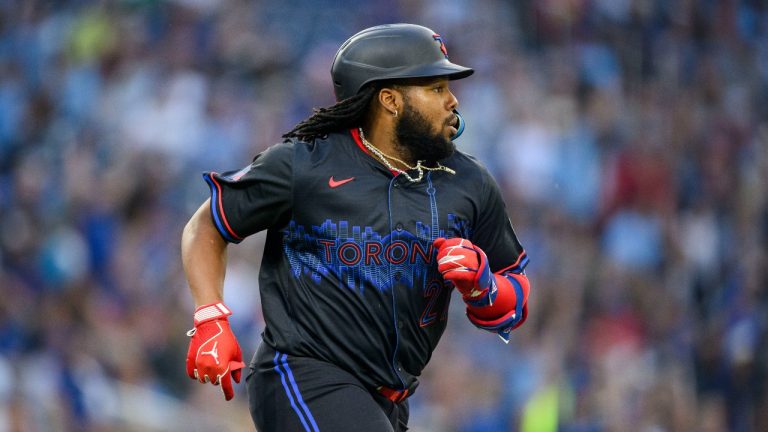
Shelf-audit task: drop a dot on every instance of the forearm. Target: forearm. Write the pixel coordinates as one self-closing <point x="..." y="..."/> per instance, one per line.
<point x="204" y="257"/>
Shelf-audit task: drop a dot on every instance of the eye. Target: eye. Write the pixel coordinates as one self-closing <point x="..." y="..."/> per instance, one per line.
<point x="438" y="89"/>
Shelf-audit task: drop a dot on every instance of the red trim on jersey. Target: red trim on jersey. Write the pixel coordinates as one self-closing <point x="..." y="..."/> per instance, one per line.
<point x="220" y="205"/>
<point x="516" y="263"/>
<point x="356" y="136"/>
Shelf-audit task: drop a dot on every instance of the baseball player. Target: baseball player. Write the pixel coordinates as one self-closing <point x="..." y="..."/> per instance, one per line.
<point x="372" y="218"/>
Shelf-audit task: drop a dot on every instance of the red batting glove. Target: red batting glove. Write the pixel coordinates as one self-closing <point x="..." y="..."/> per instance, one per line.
<point x="214" y="355"/>
<point x="466" y="266"/>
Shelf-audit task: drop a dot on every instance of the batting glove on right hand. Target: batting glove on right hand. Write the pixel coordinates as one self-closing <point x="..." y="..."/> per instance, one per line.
<point x="466" y="266"/>
<point x="214" y="355"/>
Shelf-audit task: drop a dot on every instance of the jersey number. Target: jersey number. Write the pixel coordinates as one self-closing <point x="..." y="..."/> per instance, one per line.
<point x="437" y="303"/>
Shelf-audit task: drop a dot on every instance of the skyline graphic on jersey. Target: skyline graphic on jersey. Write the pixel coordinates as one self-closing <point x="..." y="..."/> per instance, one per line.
<point x="358" y="256"/>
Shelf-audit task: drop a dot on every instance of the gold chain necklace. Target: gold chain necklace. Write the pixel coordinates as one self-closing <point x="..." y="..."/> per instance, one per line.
<point x="385" y="158"/>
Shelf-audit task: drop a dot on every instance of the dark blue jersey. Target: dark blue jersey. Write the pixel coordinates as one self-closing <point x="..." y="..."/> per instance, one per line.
<point x="349" y="273"/>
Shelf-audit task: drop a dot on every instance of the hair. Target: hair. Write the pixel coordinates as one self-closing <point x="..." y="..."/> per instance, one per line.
<point x="346" y="114"/>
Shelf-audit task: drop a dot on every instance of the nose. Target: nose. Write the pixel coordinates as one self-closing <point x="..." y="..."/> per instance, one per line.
<point x="452" y="101"/>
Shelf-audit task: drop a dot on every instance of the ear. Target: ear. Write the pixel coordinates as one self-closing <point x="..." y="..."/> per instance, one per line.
<point x="391" y="100"/>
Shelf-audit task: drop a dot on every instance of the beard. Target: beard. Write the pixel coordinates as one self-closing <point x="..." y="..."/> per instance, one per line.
<point x="417" y="140"/>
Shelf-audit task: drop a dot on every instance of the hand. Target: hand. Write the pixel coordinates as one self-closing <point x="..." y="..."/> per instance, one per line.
<point x="466" y="266"/>
<point x="214" y="355"/>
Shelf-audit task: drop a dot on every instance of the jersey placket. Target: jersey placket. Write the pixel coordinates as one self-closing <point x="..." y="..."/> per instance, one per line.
<point x="395" y="227"/>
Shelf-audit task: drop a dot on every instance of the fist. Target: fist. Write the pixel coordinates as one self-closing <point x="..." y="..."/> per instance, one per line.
<point x="214" y="355"/>
<point x="466" y="266"/>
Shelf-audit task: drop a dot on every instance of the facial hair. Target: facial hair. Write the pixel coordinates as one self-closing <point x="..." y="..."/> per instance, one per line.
<point x="417" y="140"/>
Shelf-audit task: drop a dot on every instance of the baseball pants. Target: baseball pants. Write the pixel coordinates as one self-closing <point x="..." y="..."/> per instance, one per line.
<point x="288" y="393"/>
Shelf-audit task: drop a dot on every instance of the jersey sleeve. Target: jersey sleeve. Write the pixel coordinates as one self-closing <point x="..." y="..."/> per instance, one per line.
<point x="254" y="198"/>
<point x="494" y="233"/>
<point x="506" y="258"/>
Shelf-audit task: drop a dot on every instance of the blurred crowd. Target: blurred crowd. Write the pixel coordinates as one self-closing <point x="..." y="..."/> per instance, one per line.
<point x="630" y="138"/>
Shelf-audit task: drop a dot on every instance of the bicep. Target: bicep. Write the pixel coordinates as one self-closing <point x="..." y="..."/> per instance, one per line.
<point x="494" y="234"/>
<point x="204" y="257"/>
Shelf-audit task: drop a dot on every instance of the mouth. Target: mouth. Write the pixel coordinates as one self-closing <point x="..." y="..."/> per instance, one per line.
<point x="453" y="124"/>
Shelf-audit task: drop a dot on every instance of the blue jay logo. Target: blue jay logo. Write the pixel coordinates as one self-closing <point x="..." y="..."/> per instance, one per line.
<point x="439" y="38"/>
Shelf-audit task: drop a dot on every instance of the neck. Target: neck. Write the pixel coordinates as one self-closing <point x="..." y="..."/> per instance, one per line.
<point x="393" y="163"/>
<point x="382" y="138"/>
<point x="388" y="161"/>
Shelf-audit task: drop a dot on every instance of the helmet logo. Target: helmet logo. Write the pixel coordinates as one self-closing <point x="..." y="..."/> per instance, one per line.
<point x="438" y="38"/>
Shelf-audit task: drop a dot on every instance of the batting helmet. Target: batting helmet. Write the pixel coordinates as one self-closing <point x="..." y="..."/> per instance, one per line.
<point x="391" y="51"/>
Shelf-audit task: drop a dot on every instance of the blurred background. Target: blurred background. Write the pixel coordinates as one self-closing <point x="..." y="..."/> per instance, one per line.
<point x="630" y="138"/>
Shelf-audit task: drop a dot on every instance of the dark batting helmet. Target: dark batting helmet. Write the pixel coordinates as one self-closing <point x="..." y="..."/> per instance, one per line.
<point x="391" y="51"/>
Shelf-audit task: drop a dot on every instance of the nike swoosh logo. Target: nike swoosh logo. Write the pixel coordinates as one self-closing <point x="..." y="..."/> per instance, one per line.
<point x="334" y="183"/>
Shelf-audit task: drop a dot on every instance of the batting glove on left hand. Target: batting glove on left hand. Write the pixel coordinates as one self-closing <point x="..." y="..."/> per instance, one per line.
<point x="214" y="355"/>
<point x="466" y="266"/>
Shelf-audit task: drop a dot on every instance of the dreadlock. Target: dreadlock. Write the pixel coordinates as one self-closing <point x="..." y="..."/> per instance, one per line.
<point x="346" y="114"/>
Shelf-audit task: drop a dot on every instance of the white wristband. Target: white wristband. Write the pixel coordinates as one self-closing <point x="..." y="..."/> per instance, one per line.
<point x="211" y="311"/>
